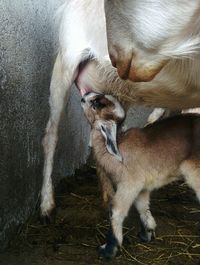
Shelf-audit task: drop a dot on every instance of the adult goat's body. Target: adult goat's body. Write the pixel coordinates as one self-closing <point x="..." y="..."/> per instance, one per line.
<point x="143" y="160"/>
<point x="83" y="37"/>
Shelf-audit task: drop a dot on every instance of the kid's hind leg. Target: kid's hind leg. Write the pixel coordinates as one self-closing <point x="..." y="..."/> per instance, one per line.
<point x="191" y="172"/>
<point x="148" y="223"/>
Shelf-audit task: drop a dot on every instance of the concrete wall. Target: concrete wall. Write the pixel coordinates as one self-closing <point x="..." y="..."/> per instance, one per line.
<point x="26" y="60"/>
<point x="27" y="53"/>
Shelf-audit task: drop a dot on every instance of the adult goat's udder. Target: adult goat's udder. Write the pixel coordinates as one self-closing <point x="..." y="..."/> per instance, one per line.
<point x="81" y="80"/>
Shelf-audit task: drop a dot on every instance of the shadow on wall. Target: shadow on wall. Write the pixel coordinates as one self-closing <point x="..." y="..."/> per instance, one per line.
<point x="26" y="60"/>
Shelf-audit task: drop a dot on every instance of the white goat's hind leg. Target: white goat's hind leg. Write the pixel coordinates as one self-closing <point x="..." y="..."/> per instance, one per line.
<point x="122" y="201"/>
<point x="148" y="223"/>
<point x="159" y="113"/>
<point x="155" y="115"/>
<point x="193" y="110"/>
<point x="62" y="79"/>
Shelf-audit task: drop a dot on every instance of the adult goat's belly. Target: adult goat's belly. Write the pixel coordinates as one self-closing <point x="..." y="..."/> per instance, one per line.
<point x="166" y="90"/>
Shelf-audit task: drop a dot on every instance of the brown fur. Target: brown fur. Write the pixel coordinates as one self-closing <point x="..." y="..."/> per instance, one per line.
<point x="152" y="157"/>
<point x="154" y="153"/>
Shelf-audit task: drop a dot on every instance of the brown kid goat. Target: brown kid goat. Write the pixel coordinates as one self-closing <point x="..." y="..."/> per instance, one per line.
<point x="139" y="161"/>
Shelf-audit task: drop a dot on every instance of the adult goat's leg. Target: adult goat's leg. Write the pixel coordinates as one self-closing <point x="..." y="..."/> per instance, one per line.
<point x="62" y="79"/>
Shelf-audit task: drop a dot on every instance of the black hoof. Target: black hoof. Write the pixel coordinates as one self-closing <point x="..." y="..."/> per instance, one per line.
<point x="147" y="235"/>
<point x="106" y="252"/>
<point x="48" y="219"/>
<point x="127" y="240"/>
<point x="44" y="220"/>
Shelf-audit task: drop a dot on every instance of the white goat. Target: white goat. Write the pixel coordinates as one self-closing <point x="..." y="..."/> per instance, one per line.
<point x="144" y="160"/>
<point x="83" y="37"/>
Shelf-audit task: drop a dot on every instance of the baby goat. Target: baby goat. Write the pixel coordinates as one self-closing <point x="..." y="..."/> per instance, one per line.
<point x="140" y="160"/>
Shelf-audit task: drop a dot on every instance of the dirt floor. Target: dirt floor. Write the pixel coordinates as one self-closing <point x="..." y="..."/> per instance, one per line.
<point x="81" y="224"/>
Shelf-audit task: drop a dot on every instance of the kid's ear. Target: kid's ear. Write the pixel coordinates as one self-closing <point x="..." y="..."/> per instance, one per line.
<point x="109" y="132"/>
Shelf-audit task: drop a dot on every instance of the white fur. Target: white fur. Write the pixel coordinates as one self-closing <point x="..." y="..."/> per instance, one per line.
<point x="157" y="113"/>
<point x="153" y="30"/>
<point x="160" y="25"/>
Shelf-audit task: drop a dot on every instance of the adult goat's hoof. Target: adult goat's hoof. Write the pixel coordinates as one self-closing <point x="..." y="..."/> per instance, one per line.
<point x="48" y="218"/>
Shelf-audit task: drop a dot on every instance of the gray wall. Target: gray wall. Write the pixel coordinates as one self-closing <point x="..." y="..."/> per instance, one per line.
<point x="26" y="60"/>
<point x="27" y="53"/>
